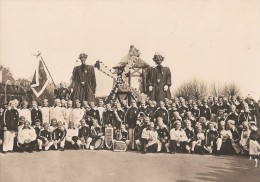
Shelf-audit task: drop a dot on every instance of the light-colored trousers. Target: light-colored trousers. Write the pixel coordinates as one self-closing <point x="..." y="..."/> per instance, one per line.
<point x="8" y="143"/>
<point x="254" y="147"/>
<point x="160" y="146"/>
<point x="86" y="143"/>
<point x="47" y="145"/>
<point x="61" y="143"/>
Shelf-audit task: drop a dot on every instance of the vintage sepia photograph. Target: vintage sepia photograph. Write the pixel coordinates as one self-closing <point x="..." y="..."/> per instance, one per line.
<point x="129" y="90"/>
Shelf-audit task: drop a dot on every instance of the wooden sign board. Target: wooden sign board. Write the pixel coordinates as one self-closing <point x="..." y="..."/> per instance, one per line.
<point x="109" y="137"/>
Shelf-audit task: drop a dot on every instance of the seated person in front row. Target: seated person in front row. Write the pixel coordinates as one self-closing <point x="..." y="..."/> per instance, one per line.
<point x="59" y="136"/>
<point x="45" y="137"/>
<point x="198" y="140"/>
<point x="145" y="135"/>
<point x="244" y="138"/>
<point x="223" y="142"/>
<point x="152" y="139"/>
<point x="254" y="142"/>
<point x="26" y="137"/>
<point x="189" y="130"/>
<point x="163" y="136"/>
<point x="178" y="138"/>
<point x="95" y="134"/>
<point x="84" y="135"/>
<point x="235" y="137"/>
<point x="211" y="137"/>
<point x="72" y="136"/>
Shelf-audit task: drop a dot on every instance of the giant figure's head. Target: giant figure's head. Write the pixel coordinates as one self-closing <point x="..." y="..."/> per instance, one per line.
<point x="158" y="58"/>
<point x="83" y="57"/>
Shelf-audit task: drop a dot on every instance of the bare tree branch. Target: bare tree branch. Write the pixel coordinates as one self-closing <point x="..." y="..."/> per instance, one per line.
<point x="193" y="89"/>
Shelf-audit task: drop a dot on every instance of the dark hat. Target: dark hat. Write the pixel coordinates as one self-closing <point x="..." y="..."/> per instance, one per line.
<point x="83" y="55"/>
<point x="158" y="55"/>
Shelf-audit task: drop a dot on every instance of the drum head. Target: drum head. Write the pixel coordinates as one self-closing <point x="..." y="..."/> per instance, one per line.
<point x="98" y="143"/>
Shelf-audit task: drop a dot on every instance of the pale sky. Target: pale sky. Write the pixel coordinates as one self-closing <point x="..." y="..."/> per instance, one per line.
<point x="208" y="40"/>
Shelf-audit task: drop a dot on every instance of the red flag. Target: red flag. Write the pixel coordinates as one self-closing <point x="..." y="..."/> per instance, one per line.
<point x="40" y="79"/>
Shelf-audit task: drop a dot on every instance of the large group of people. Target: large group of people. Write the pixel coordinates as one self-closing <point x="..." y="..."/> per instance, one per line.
<point x="214" y="125"/>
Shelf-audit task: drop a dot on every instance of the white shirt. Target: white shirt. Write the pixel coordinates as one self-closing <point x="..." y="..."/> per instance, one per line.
<point x="145" y="133"/>
<point x="152" y="137"/>
<point x="226" y="134"/>
<point x="26" y="134"/>
<point x="26" y="113"/>
<point x="67" y="112"/>
<point x="45" y="114"/>
<point x="57" y="113"/>
<point x="178" y="135"/>
<point x="71" y="132"/>
<point x="101" y="110"/>
<point x="76" y="115"/>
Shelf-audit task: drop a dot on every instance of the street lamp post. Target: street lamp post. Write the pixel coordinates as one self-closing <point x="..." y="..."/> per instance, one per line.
<point x="6" y="83"/>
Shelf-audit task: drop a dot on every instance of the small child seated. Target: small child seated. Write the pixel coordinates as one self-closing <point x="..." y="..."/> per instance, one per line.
<point x="72" y="136"/>
<point x="84" y="135"/>
<point x="96" y="134"/>
<point x="45" y="138"/>
<point x="59" y="136"/>
<point x="198" y="141"/>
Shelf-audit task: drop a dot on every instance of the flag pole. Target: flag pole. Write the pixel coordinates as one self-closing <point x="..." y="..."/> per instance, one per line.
<point x="39" y="55"/>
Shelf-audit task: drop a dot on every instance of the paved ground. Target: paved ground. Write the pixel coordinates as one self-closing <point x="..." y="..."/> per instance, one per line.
<point x="78" y="166"/>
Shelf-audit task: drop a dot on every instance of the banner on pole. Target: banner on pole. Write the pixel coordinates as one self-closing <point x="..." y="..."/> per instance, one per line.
<point x="40" y="79"/>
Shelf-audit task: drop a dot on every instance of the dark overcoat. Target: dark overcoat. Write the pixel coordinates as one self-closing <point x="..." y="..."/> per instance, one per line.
<point x="84" y="83"/>
<point x="158" y="77"/>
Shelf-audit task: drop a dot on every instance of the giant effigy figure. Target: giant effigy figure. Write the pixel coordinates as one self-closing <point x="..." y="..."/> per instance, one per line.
<point x="158" y="80"/>
<point x="83" y="81"/>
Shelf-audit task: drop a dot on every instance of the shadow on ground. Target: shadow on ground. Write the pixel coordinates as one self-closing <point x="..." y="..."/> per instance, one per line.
<point x="237" y="168"/>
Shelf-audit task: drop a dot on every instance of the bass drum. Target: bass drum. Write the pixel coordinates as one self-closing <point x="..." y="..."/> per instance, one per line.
<point x="98" y="144"/>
